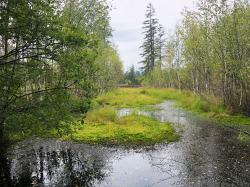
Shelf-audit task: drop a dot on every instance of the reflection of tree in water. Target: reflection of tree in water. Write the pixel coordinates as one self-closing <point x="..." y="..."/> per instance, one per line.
<point x="5" y="179"/>
<point x="58" y="167"/>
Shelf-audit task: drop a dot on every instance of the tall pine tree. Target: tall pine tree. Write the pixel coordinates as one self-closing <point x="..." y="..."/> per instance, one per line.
<point x="150" y="26"/>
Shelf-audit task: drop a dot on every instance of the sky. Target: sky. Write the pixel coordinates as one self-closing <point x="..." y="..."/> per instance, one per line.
<point x="126" y="20"/>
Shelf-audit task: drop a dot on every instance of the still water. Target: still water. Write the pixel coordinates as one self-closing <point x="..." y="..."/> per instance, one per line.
<point x="206" y="155"/>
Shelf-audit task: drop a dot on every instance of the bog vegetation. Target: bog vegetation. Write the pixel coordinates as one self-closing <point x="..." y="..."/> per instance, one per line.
<point x="102" y="123"/>
<point x="104" y="126"/>
<point x="57" y="63"/>
<point x="203" y="105"/>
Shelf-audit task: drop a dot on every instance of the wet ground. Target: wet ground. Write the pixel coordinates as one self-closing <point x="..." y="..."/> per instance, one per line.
<point x="206" y="155"/>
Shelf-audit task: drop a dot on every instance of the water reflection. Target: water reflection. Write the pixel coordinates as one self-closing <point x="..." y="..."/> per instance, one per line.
<point x="206" y="155"/>
<point x="55" y="163"/>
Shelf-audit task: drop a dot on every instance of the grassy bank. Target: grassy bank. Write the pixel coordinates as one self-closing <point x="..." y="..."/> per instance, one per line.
<point x="205" y="105"/>
<point x="102" y="124"/>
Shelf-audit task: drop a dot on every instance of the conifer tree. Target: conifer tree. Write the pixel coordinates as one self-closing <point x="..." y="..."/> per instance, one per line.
<point x="150" y="26"/>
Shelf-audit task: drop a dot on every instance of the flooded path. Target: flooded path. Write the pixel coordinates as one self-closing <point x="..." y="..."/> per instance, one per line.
<point x="206" y="155"/>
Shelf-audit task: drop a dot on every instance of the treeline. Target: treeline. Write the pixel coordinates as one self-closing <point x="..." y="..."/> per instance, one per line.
<point x="132" y="77"/>
<point x="54" y="57"/>
<point x="209" y="52"/>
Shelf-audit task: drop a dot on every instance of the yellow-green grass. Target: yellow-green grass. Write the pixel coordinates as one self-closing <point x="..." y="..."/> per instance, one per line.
<point x="141" y="97"/>
<point x="103" y="126"/>
<point x="127" y="97"/>
<point x="205" y="105"/>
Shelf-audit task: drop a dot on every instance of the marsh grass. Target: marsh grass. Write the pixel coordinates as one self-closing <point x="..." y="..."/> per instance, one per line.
<point x="127" y="97"/>
<point x="205" y="105"/>
<point x="102" y="115"/>
<point x="139" y="97"/>
<point x="103" y="126"/>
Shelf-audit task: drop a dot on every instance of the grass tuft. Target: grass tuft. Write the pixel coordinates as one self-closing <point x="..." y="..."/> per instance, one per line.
<point x="100" y="115"/>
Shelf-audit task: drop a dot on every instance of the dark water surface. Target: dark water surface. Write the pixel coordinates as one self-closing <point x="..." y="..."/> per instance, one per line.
<point x="206" y="155"/>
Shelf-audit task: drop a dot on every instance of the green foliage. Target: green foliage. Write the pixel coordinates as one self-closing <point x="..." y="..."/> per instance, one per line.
<point x="110" y="70"/>
<point x="53" y="58"/>
<point x="209" y="53"/>
<point x="155" y="78"/>
<point x="132" y="77"/>
<point x="80" y="105"/>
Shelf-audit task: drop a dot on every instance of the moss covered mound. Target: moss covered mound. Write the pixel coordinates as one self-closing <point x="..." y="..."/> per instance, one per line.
<point x="103" y="126"/>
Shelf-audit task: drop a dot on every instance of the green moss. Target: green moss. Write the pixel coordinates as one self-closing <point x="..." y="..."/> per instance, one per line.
<point x="133" y="130"/>
<point x="243" y="137"/>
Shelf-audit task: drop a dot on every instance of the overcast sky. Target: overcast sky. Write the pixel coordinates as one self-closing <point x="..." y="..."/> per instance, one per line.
<point x="126" y="20"/>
